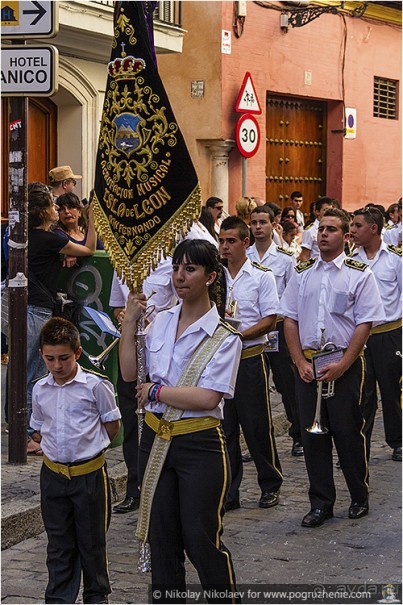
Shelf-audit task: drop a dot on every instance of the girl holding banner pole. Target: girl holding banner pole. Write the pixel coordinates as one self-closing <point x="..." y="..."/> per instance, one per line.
<point x="192" y="360"/>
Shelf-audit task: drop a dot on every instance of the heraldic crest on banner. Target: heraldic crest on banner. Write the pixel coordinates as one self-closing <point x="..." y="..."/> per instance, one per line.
<point x="146" y="189"/>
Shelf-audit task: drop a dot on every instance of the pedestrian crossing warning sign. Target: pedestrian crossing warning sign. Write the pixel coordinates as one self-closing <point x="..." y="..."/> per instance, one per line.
<point x="247" y="101"/>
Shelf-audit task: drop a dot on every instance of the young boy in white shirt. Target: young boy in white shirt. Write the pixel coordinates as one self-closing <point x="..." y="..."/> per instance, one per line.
<point x="75" y="418"/>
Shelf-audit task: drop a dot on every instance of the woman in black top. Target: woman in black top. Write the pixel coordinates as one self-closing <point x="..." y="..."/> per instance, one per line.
<point x="44" y="266"/>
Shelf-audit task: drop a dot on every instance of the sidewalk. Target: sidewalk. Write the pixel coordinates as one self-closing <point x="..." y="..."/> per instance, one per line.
<point x="20" y="494"/>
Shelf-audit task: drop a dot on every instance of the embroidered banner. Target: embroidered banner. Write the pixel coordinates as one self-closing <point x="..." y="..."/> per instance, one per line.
<point x="146" y="189"/>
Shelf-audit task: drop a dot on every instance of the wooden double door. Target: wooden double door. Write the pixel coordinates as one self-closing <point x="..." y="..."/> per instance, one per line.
<point x="295" y="149"/>
<point x="42" y="143"/>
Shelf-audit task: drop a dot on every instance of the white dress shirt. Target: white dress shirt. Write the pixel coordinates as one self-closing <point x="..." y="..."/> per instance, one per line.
<point x="332" y="296"/>
<point x="70" y="417"/>
<point x="279" y="262"/>
<point x="309" y="239"/>
<point x="166" y="357"/>
<point x="393" y="235"/>
<point x="256" y="294"/>
<point x="387" y="269"/>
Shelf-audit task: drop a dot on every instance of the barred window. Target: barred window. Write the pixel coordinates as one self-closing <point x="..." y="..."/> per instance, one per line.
<point x="385" y="98"/>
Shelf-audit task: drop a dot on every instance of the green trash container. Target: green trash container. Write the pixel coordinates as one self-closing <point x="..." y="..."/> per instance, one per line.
<point x="90" y="283"/>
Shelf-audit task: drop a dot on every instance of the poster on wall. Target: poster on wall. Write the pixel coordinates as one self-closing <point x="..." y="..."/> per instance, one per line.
<point x="351" y="123"/>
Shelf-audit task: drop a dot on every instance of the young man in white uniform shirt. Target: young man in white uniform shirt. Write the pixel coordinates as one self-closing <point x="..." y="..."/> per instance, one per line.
<point x="339" y="295"/>
<point x="383" y="365"/>
<point x="253" y="289"/>
<point x="265" y="252"/>
<point x="309" y="237"/>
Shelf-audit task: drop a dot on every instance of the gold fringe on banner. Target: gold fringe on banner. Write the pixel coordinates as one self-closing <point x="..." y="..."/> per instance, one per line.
<point x="135" y="270"/>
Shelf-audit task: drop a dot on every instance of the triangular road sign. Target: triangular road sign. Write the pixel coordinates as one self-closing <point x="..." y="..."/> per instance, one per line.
<point x="247" y="101"/>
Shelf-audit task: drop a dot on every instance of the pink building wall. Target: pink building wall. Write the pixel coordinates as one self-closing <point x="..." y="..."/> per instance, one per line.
<point x="365" y="169"/>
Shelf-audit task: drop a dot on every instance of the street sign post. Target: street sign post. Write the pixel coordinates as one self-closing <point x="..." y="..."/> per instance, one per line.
<point x="29" y="71"/>
<point x="35" y="19"/>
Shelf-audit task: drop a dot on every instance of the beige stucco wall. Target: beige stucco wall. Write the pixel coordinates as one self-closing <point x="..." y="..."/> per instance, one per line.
<point x="199" y="118"/>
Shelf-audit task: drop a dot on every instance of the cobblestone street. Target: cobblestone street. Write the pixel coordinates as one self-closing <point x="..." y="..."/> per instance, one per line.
<point x="268" y="546"/>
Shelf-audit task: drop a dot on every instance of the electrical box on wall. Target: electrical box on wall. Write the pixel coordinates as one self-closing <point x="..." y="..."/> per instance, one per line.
<point x="241" y="8"/>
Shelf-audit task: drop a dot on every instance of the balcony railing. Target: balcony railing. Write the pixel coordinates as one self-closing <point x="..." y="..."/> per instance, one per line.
<point x="167" y="11"/>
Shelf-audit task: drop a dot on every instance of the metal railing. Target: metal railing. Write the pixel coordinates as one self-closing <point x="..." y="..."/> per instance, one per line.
<point x="167" y="11"/>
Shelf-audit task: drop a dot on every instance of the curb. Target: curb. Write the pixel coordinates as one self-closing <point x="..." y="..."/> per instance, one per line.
<point x="22" y="519"/>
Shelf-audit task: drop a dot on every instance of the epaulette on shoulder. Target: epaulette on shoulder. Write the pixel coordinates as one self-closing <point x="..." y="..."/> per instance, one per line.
<point x="395" y="249"/>
<point x="288" y="252"/>
<point x="95" y="373"/>
<point x="355" y="264"/>
<point x="228" y="326"/>
<point x="35" y="380"/>
<point x="389" y="227"/>
<point x="261" y="267"/>
<point x="306" y="264"/>
<point x="308" y="225"/>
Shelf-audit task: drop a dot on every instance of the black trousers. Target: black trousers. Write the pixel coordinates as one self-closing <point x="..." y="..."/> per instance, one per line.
<point x="187" y="513"/>
<point x="283" y="369"/>
<point x="128" y="404"/>
<point x="342" y="415"/>
<point x="385" y="368"/>
<point x="250" y="409"/>
<point x="76" y="516"/>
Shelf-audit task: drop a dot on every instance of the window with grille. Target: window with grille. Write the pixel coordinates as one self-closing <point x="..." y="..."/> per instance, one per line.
<point x="385" y="98"/>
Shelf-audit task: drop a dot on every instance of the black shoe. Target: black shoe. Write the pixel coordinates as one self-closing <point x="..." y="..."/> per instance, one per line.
<point x="232" y="505"/>
<point x="269" y="499"/>
<point x="357" y="510"/>
<point x="316" y="517"/>
<point x="127" y="506"/>
<point x="397" y="454"/>
<point x="246" y="457"/>
<point x="297" y="449"/>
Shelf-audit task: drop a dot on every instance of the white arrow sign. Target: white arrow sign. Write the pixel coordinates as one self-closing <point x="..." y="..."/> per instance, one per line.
<point x="34" y="19"/>
<point x="29" y="71"/>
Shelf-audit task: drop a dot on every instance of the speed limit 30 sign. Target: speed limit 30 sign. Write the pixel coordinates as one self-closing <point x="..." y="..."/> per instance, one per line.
<point x="247" y="135"/>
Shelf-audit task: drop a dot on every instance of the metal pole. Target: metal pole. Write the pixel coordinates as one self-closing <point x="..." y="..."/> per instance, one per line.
<point x="243" y="176"/>
<point x="18" y="283"/>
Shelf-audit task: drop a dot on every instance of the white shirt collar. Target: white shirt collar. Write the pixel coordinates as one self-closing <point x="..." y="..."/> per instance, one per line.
<point x="208" y="322"/>
<point x="79" y="377"/>
<point x="338" y="261"/>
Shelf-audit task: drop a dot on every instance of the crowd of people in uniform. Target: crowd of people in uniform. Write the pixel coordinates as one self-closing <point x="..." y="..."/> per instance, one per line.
<point x="322" y="315"/>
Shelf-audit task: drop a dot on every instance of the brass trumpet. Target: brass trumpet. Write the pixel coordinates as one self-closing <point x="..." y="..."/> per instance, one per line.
<point x="98" y="360"/>
<point x="323" y="393"/>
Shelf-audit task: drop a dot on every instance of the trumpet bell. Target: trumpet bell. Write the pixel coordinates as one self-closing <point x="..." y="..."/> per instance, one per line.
<point x="317" y="429"/>
<point x="96" y="361"/>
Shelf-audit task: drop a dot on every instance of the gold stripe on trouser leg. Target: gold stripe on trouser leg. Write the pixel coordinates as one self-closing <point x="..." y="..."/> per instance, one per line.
<point x="219" y="517"/>
<point x="362" y="382"/>
<point x="271" y="430"/>
<point x="105" y="478"/>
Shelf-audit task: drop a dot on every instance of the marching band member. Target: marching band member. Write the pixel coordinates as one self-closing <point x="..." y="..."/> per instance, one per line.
<point x="192" y="360"/>
<point x="282" y="263"/>
<point x="252" y="288"/>
<point x="382" y="362"/>
<point x="338" y="295"/>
